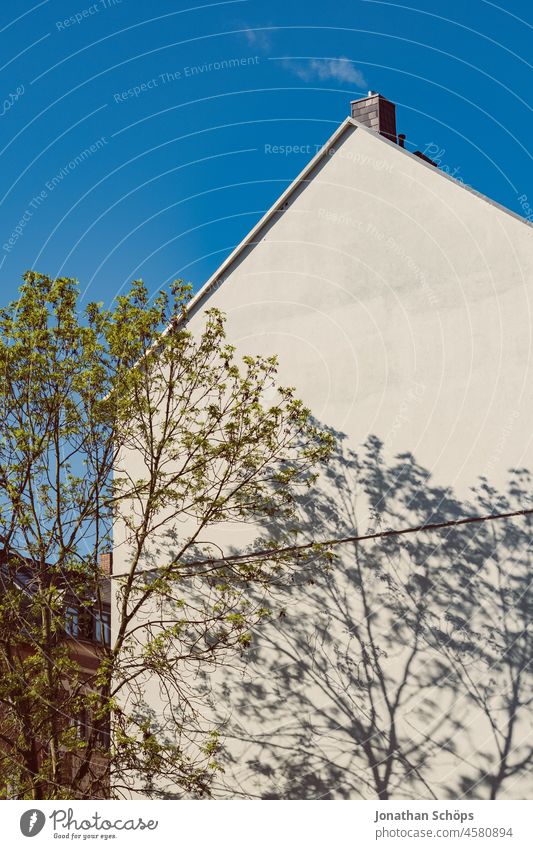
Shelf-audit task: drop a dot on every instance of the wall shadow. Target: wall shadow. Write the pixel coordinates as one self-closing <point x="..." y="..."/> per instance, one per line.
<point x="401" y="670"/>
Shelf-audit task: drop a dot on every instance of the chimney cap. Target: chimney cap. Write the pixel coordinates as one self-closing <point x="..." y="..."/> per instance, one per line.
<point x="373" y="93"/>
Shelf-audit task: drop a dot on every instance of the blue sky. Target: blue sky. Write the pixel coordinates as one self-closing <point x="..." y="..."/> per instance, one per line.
<point x="179" y="105"/>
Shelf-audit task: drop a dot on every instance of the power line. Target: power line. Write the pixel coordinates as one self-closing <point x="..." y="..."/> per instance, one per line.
<point x="434" y="526"/>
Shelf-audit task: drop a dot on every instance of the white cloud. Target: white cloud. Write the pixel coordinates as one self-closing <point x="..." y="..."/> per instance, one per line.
<point x="258" y="38"/>
<point x="341" y="69"/>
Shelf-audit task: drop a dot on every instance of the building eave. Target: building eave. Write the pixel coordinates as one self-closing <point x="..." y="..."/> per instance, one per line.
<point x="217" y="278"/>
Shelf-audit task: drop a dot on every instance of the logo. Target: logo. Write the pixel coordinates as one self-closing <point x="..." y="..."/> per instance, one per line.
<point x="32" y="822"/>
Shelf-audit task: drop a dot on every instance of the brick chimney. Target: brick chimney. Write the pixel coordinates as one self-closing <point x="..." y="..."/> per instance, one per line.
<point x="377" y="113"/>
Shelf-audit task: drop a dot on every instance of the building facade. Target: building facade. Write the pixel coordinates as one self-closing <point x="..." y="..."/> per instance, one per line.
<point x="399" y="304"/>
<point x="84" y="631"/>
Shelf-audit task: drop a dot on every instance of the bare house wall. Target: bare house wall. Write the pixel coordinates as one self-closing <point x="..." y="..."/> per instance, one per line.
<point x="399" y="304"/>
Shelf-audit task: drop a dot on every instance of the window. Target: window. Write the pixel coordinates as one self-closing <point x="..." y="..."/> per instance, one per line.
<point x="72" y="621"/>
<point x="104" y="735"/>
<point x="102" y="628"/>
<point x="79" y="723"/>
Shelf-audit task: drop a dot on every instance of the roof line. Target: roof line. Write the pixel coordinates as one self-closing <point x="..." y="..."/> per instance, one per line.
<point x="391" y="532"/>
<point x="437" y="170"/>
<point x="217" y="279"/>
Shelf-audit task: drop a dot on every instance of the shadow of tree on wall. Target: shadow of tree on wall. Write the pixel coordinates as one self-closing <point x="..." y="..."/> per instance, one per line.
<point x="404" y="670"/>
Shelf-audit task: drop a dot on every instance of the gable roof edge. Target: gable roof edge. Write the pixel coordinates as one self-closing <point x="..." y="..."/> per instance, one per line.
<point x="436" y="170"/>
<point x="214" y="281"/>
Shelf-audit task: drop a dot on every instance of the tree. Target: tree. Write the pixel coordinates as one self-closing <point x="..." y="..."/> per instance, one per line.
<point x="79" y="396"/>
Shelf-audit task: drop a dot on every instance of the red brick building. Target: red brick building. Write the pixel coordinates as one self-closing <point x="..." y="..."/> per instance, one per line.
<point x="85" y="630"/>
